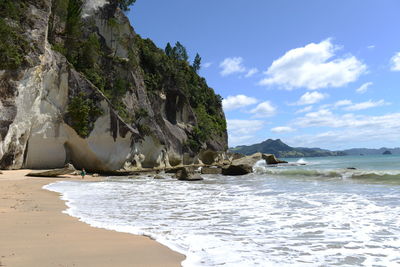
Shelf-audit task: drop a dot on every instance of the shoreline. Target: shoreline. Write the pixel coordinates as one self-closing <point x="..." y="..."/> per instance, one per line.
<point x="35" y="230"/>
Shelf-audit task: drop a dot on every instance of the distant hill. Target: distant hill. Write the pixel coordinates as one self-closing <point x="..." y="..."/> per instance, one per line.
<point x="282" y="150"/>
<point x="371" y="151"/>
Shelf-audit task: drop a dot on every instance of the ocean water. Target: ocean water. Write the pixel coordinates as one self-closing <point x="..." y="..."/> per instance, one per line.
<point x="317" y="214"/>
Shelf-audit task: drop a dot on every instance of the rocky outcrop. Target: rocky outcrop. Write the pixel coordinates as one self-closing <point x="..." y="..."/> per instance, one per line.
<point x="107" y="108"/>
<point x="244" y="165"/>
<point x="271" y="159"/>
<point x="68" y="169"/>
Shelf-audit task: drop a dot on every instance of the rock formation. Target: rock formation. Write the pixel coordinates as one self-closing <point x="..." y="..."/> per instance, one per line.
<point x="68" y="169"/>
<point x="80" y="86"/>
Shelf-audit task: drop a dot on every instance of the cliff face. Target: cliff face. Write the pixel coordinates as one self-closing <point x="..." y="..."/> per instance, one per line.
<point x="80" y="86"/>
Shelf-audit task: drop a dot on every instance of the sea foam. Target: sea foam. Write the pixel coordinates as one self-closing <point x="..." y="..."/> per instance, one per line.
<point x="253" y="220"/>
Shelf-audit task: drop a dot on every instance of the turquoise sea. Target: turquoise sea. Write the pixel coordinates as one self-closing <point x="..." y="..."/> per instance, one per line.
<point x="327" y="211"/>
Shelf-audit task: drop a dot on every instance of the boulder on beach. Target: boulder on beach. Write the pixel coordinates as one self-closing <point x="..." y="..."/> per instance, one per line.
<point x="68" y="169"/>
<point x="211" y="170"/>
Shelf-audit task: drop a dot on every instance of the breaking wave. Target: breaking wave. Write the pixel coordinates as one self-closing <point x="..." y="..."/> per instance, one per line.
<point x="333" y="173"/>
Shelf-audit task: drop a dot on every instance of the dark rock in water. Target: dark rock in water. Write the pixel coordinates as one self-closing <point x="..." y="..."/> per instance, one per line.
<point x="387" y="152"/>
<point x="68" y="169"/>
<point x="240" y="169"/>
<point x="192" y="177"/>
<point x="187" y="174"/>
<point x="244" y="165"/>
<point x="351" y="168"/>
<point x="183" y="173"/>
<point x="211" y="170"/>
<point x="271" y="159"/>
<point x="158" y="177"/>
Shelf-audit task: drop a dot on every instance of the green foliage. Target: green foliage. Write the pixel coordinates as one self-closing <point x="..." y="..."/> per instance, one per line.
<point x="168" y="50"/>
<point x="13" y="45"/>
<point x="12" y="9"/>
<point x="197" y="63"/>
<point x="90" y="52"/>
<point x="60" y="48"/>
<point x="179" y="52"/>
<point x="119" y="89"/>
<point x="96" y="77"/>
<point x="81" y="112"/>
<point x="73" y="30"/>
<point x="141" y="113"/>
<point x="59" y="11"/>
<point x="88" y="61"/>
<point x="144" y="129"/>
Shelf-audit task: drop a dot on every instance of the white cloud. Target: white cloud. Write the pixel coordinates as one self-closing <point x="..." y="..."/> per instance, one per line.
<point x="384" y="129"/>
<point x="238" y="101"/>
<point x="264" y="109"/>
<point x="244" y="127"/>
<point x="251" y="72"/>
<point x="241" y="131"/>
<point x="325" y="118"/>
<point x="344" y="102"/>
<point x="282" y="129"/>
<point x="313" y="67"/>
<point x="235" y="140"/>
<point x="206" y="65"/>
<point x="232" y="65"/>
<point x="303" y="110"/>
<point x="311" y="98"/>
<point x="371" y="46"/>
<point x="363" y="88"/>
<point x="395" y="61"/>
<point x="366" y="105"/>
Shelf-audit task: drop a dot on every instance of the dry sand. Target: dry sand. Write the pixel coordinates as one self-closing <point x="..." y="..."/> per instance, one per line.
<point x="35" y="232"/>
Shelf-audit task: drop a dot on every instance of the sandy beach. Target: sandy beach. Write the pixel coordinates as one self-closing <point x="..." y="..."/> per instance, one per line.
<point x="35" y="232"/>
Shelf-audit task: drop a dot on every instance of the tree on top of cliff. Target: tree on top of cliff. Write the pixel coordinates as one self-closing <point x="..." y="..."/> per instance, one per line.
<point x="124" y="4"/>
<point x="168" y="50"/>
<point x="197" y="63"/>
<point x="179" y="52"/>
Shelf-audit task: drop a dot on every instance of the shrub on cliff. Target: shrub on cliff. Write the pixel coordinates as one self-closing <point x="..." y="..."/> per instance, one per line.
<point x="13" y="44"/>
<point x="170" y="69"/>
<point x="81" y="111"/>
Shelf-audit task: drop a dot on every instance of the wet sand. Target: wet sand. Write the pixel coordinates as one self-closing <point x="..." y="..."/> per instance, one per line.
<point x="35" y="232"/>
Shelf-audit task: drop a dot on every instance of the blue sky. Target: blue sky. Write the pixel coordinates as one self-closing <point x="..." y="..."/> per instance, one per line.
<point x="313" y="73"/>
